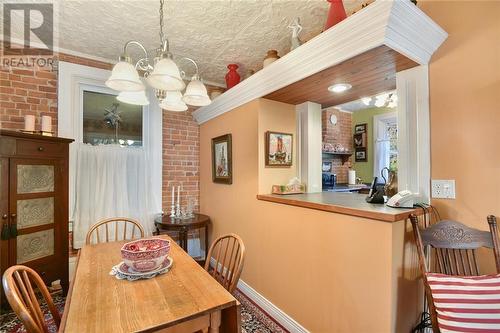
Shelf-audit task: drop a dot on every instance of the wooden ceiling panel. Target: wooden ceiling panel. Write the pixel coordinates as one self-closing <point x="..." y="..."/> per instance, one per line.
<point x="369" y="73"/>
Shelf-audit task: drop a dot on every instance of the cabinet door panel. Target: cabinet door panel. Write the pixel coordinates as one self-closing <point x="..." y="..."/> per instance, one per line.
<point x="35" y="212"/>
<point x="35" y="245"/>
<point x="35" y="178"/>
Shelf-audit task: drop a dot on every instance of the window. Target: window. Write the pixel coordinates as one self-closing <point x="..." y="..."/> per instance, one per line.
<point x="385" y="131"/>
<point x="109" y="121"/>
<point x="392" y="135"/>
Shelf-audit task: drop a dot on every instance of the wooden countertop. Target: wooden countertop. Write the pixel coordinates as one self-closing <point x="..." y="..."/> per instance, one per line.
<point x="342" y="203"/>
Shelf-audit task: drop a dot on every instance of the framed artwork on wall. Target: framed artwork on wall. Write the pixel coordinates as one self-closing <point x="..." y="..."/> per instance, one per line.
<point x="279" y="148"/>
<point x="360" y="155"/>
<point x="360" y="128"/>
<point x="360" y="140"/>
<point x="222" y="159"/>
<point x="360" y="143"/>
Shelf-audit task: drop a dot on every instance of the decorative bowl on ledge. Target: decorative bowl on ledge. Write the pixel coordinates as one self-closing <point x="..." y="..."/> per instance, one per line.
<point x="145" y="255"/>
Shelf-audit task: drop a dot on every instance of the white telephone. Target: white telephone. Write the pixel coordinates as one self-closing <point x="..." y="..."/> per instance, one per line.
<point x="403" y="199"/>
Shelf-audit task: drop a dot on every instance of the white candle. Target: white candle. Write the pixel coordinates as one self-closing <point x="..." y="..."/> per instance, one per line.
<point x="173" y="195"/>
<point x="179" y="195"/>
<point x="29" y="123"/>
<point x="46" y="124"/>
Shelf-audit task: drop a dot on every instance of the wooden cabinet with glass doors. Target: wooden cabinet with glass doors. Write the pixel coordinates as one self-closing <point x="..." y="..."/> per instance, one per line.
<point x="34" y="204"/>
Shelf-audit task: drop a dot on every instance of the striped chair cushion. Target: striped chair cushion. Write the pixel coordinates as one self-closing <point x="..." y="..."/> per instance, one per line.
<point x="466" y="304"/>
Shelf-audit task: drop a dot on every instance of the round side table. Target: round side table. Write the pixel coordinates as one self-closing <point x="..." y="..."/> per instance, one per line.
<point x="167" y="223"/>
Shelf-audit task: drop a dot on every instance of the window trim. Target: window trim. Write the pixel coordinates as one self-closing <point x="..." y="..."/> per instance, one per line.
<point x="70" y="118"/>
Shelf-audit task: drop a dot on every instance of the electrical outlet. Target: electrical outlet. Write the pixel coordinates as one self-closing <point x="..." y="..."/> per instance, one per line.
<point x="443" y="189"/>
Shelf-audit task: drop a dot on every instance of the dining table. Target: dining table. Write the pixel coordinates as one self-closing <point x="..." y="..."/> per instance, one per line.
<point x="184" y="299"/>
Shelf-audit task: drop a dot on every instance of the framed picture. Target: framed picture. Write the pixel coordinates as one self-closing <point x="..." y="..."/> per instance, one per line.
<point x="327" y="167"/>
<point x="222" y="159"/>
<point x="279" y="149"/>
<point x="360" y="128"/>
<point x="360" y="155"/>
<point x="360" y="140"/>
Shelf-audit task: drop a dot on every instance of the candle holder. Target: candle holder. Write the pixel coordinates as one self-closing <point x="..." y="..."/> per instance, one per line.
<point x="172" y="210"/>
<point x="178" y="211"/>
<point x="46" y="133"/>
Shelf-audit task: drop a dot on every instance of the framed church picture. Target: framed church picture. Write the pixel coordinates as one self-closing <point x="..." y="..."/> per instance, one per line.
<point x="222" y="159"/>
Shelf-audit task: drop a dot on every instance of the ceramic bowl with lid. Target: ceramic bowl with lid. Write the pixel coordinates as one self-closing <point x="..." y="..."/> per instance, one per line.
<point x="145" y="255"/>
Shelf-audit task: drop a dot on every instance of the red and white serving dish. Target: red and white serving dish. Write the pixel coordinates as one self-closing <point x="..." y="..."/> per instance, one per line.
<point x="124" y="272"/>
<point x="145" y="255"/>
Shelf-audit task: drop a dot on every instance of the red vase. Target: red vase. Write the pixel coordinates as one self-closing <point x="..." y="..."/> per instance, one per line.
<point x="335" y="14"/>
<point x="232" y="76"/>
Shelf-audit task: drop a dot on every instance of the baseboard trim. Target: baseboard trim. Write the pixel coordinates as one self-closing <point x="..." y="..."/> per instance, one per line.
<point x="276" y="313"/>
<point x="272" y="310"/>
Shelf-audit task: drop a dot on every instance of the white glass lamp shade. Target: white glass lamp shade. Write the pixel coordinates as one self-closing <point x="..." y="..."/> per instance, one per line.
<point x="196" y="93"/>
<point x="173" y="102"/>
<point x="124" y="77"/>
<point x="133" y="97"/>
<point x="166" y="76"/>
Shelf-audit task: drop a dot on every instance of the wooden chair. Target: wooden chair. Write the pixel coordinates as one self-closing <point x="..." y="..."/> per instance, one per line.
<point x="17" y="284"/>
<point x="228" y="253"/>
<point x="117" y="221"/>
<point x="454" y="247"/>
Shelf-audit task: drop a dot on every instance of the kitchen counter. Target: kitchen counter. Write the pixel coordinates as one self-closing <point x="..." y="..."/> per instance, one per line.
<point x="342" y="203"/>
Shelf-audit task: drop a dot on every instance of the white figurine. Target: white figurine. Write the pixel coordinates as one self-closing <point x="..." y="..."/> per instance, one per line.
<point x="296" y="29"/>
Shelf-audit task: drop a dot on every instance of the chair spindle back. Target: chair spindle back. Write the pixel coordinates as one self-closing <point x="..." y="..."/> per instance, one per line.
<point x="108" y="230"/>
<point x="17" y="283"/>
<point x="228" y="255"/>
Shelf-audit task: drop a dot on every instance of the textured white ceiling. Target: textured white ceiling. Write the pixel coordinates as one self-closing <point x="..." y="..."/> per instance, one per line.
<point x="214" y="33"/>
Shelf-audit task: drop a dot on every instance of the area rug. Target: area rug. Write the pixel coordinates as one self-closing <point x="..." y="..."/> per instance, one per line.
<point x="253" y="318"/>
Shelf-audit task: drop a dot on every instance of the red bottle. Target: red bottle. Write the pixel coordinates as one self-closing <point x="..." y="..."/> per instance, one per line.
<point x="232" y="76"/>
<point x="335" y="14"/>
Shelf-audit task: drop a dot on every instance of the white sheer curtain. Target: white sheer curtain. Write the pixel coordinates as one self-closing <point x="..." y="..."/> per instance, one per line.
<point x="382" y="158"/>
<point x="110" y="181"/>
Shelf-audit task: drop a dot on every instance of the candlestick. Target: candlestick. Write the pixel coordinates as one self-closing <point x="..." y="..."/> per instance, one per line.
<point x="172" y="210"/>
<point x="29" y="123"/>
<point x="178" y="208"/>
<point x="46" y="124"/>
<point x="178" y="195"/>
<point x="173" y="195"/>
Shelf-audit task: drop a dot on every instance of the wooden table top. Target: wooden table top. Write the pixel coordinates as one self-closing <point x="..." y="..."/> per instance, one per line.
<point x="101" y="303"/>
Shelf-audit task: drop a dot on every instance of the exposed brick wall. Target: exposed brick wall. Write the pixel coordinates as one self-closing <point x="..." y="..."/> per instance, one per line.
<point x="341" y="133"/>
<point x="181" y="152"/>
<point x="34" y="91"/>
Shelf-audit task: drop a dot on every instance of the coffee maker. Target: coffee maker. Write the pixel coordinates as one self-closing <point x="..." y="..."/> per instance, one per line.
<point x="329" y="180"/>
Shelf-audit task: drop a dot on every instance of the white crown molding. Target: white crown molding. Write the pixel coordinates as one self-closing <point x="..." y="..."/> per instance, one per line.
<point x="398" y="24"/>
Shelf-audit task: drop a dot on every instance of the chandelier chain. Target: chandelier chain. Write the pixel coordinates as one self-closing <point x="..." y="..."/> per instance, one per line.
<point x="162" y="36"/>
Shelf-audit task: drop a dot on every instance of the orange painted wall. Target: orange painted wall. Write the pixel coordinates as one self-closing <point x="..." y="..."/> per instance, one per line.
<point x="464" y="107"/>
<point x="325" y="270"/>
<point x="333" y="273"/>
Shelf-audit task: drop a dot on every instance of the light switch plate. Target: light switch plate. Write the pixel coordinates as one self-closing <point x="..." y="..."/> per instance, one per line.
<point x="443" y="189"/>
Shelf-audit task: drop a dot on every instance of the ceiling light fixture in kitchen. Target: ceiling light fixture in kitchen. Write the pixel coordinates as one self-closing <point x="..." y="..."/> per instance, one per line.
<point x="339" y="87"/>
